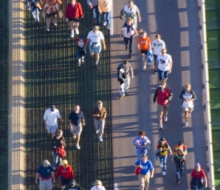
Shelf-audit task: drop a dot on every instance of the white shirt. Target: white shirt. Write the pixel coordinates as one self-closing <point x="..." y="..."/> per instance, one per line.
<point x="130" y="33"/>
<point x="131" y="12"/>
<point x="51" y="116"/>
<point x="164" y="62"/>
<point x="158" y="46"/>
<point x="95" y="37"/>
<point x="96" y="188"/>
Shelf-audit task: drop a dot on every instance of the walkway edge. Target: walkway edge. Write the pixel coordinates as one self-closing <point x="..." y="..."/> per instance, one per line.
<point x="208" y="115"/>
<point x="16" y="116"/>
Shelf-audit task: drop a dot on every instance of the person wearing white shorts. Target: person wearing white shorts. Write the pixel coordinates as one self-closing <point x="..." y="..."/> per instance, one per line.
<point x="50" y="119"/>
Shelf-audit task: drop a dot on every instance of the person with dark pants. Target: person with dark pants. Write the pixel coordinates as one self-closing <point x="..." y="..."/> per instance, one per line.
<point x="179" y="154"/>
<point x="93" y="5"/>
<point x="128" y="31"/>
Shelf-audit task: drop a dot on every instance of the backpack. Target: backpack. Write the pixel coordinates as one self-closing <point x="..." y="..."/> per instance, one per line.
<point x="61" y="152"/>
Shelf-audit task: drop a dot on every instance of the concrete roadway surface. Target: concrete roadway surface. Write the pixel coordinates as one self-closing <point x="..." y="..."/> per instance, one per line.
<point x="179" y="23"/>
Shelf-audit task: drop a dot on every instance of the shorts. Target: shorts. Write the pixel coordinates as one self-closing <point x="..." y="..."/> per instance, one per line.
<point x="162" y="74"/>
<point x="51" y="129"/>
<point x="45" y="184"/>
<point x="77" y="130"/>
<point x="50" y="15"/>
<point x="65" y="181"/>
<point x="188" y="109"/>
<point x="96" y="49"/>
<point x="73" y="19"/>
<point x="144" y="52"/>
<point x="163" y="108"/>
<point x="99" y="125"/>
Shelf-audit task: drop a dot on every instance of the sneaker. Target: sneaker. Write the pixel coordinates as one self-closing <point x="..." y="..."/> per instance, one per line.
<point x="129" y="56"/>
<point x="120" y="97"/>
<point x="83" y="59"/>
<point x="72" y="34"/>
<point x="121" y="17"/>
<point x="54" y="22"/>
<point x="97" y="131"/>
<point x="104" y="23"/>
<point x="48" y="30"/>
<point x="74" y="136"/>
<point x="108" y="27"/>
<point x="165" y="118"/>
<point x="161" y="165"/>
<point x="187" y="124"/>
<point x="126" y="47"/>
<point x="178" y="181"/>
<point x="100" y="139"/>
<point x="144" y="68"/>
<point x="164" y="173"/>
<point x="155" y="70"/>
<point x="160" y="126"/>
<point x="96" y="66"/>
<point x="79" y="62"/>
<point x="77" y="31"/>
<point x="77" y="146"/>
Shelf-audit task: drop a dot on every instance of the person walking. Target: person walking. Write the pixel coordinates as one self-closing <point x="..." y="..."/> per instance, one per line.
<point x="57" y="143"/>
<point x="162" y="97"/>
<point x="125" y="72"/>
<point x="105" y="7"/>
<point x="80" y="50"/>
<point x="77" y="121"/>
<point x="141" y="142"/>
<point x="93" y="5"/>
<point x="130" y="11"/>
<point x="94" y="39"/>
<point x="144" y="45"/>
<point x="179" y="154"/>
<point x="73" y="13"/>
<point x="198" y="179"/>
<point x="163" y="148"/>
<point x="65" y="173"/>
<point x="187" y="96"/>
<point x="35" y="8"/>
<point x="50" y="119"/>
<point x="164" y="65"/>
<point x="99" y="113"/>
<point x="50" y="10"/>
<point x="147" y="172"/>
<point x="128" y="31"/>
<point x="98" y="186"/>
<point x="45" y="176"/>
<point x="157" y="45"/>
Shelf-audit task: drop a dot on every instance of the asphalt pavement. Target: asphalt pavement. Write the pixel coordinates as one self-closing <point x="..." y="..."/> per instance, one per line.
<point x="179" y="23"/>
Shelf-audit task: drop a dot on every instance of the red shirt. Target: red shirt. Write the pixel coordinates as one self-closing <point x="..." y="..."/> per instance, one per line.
<point x="198" y="175"/>
<point x="65" y="172"/>
<point x="74" y="12"/>
<point x="162" y="96"/>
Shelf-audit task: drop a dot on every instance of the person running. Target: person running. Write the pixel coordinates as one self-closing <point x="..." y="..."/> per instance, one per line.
<point x="163" y="149"/>
<point x="105" y="7"/>
<point x="93" y="5"/>
<point x="45" y="176"/>
<point x="80" y="49"/>
<point x="179" y="154"/>
<point x="99" y="113"/>
<point x="130" y="11"/>
<point x="198" y="179"/>
<point x="73" y="13"/>
<point x="141" y="142"/>
<point x="164" y="65"/>
<point x="125" y="73"/>
<point x="50" y="10"/>
<point x="147" y="172"/>
<point x="98" y="186"/>
<point x="94" y="39"/>
<point x="187" y="96"/>
<point x="58" y="142"/>
<point x="77" y="121"/>
<point x="128" y="31"/>
<point x="144" y="45"/>
<point x="50" y="119"/>
<point x="157" y="45"/>
<point x="65" y="173"/>
<point x="162" y="97"/>
<point x="35" y="8"/>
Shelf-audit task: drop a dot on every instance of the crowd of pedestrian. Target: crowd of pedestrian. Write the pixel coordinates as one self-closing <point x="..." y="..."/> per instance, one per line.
<point x="150" y="51"/>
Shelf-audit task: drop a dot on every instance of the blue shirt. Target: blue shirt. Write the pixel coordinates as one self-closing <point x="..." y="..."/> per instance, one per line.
<point x="76" y="118"/>
<point x="146" y="167"/>
<point x="45" y="172"/>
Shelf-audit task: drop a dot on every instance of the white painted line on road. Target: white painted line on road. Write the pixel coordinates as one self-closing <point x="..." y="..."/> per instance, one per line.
<point x="111" y="23"/>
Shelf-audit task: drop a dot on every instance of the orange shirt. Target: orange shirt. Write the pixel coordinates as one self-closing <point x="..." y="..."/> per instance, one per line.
<point x="144" y="43"/>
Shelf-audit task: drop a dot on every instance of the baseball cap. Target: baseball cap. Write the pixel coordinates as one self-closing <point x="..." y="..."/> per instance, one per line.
<point x="81" y="37"/>
<point x="52" y="107"/>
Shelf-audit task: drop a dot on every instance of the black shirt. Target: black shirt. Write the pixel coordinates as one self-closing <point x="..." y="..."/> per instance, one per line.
<point x="76" y="118"/>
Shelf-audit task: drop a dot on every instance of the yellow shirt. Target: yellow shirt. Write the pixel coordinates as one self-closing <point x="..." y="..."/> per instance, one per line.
<point x="104" y="5"/>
